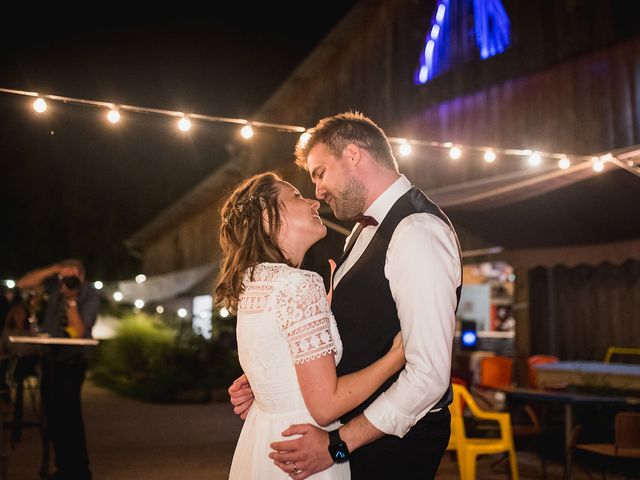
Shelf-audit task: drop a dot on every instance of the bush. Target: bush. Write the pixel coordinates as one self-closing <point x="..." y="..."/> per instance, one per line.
<point x="153" y="361"/>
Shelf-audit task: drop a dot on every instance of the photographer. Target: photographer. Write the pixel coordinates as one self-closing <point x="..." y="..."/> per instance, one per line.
<point x="71" y="310"/>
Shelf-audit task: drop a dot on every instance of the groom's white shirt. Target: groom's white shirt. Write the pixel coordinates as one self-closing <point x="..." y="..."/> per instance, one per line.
<point x="423" y="269"/>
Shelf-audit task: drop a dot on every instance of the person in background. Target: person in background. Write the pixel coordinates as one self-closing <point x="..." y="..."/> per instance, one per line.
<point x="8" y="298"/>
<point x="70" y="312"/>
<point x="19" y="360"/>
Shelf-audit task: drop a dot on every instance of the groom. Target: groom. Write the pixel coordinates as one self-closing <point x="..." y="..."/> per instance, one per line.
<point x="401" y="270"/>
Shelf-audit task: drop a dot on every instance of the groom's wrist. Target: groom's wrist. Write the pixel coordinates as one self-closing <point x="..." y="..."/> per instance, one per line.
<point x="358" y="432"/>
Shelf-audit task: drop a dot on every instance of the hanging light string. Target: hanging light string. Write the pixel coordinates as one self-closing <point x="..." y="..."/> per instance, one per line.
<point x="623" y="158"/>
<point x="404" y="145"/>
<point x="157" y="111"/>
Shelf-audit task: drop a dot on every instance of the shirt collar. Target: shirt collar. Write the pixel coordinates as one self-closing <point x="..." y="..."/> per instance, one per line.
<point x="381" y="205"/>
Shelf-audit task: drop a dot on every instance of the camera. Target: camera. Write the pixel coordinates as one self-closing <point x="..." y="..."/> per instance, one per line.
<point x="72" y="282"/>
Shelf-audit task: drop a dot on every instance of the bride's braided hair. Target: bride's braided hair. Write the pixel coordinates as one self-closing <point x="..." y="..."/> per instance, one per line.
<point x="250" y="222"/>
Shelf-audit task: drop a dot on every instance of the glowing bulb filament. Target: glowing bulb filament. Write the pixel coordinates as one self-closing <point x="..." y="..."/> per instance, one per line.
<point x="184" y="124"/>
<point x="246" y="132"/>
<point x="113" y="116"/>
<point x="39" y="105"/>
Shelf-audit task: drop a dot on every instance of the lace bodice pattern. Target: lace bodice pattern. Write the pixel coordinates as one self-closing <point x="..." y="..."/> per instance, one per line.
<point x="284" y="319"/>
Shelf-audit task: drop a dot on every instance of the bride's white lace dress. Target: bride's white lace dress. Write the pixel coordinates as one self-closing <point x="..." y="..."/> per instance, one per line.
<point x="283" y="319"/>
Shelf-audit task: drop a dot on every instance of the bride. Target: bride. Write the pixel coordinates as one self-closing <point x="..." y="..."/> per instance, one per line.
<point x="288" y="341"/>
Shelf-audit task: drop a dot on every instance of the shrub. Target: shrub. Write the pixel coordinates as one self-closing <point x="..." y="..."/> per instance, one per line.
<point x="154" y="361"/>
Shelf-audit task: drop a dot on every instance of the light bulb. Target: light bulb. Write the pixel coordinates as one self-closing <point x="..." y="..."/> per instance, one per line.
<point x="489" y="156"/>
<point x="246" y="132"/>
<point x="39" y="105"/>
<point x="535" y="159"/>
<point x="113" y="116"/>
<point x="184" y="124"/>
<point x="405" y="149"/>
<point x="455" y="153"/>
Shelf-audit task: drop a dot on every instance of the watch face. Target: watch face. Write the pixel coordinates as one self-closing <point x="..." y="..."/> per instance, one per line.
<point x="339" y="452"/>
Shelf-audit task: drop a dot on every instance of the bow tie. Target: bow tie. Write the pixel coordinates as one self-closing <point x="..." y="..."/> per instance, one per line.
<point x="366" y="220"/>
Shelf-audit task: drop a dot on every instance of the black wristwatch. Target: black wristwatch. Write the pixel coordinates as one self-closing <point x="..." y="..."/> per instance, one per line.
<point x="337" y="448"/>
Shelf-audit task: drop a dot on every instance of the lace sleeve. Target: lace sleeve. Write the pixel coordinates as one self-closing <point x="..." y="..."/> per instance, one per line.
<point x="304" y="316"/>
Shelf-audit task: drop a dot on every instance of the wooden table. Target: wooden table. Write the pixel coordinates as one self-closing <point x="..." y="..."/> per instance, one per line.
<point x="53" y="340"/>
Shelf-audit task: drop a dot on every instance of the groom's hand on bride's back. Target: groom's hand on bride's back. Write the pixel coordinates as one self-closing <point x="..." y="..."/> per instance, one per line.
<point x="241" y="396"/>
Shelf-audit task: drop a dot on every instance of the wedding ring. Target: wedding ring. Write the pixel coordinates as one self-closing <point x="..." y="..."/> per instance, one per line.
<point x="296" y="470"/>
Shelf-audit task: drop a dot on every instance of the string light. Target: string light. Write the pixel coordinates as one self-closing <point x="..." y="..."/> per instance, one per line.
<point x="405" y="149"/>
<point x="184" y="124"/>
<point x="247" y="132"/>
<point x="224" y="312"/>
<point x="406" y="146"/>
<point x="113" y="116"/>
<point x="534" y="159"/>
<point x="141" y="278"/>
<point x="160" y="309"/>
<point x="98" y="285"/>
<point x="598" y="166"/>
<point x="39" y="105"/>
<point x="489" y="156"/>
<point x="304" y="138"/>
<point x="10" y="283"/>
<point x="117" y="296"/>
<point x="182" y="312"/>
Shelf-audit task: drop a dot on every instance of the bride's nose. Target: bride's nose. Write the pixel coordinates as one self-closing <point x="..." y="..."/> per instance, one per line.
<point x="315" y="204"/>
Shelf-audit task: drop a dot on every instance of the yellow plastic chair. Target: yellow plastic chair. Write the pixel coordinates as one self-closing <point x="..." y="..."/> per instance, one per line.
<point x="467" y="449"/>
<point x="611" y="351"/>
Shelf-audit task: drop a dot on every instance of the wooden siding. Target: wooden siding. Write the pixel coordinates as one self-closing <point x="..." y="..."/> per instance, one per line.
<point x="546" y="92"/>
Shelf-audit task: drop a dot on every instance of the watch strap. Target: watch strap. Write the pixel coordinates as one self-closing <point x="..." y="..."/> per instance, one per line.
<point x="334" y="437"/>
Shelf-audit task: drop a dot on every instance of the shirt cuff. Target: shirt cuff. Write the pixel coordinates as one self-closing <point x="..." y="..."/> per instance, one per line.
<point x="386" y="418"/>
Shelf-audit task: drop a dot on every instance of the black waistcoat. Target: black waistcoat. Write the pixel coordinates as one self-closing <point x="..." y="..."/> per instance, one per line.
<point x="362" y="302"/>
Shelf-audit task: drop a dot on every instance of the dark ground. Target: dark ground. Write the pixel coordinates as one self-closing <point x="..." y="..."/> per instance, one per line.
<point x="130" y="440"/>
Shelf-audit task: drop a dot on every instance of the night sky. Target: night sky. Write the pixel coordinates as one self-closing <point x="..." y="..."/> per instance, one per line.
<point x="73" y="185"/>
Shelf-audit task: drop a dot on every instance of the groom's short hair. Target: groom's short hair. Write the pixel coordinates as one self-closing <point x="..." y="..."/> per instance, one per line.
<point x="338" y="131"/>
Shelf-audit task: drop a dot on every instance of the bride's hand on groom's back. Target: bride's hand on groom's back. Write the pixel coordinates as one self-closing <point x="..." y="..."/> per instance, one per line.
<point x="241" y="396"/>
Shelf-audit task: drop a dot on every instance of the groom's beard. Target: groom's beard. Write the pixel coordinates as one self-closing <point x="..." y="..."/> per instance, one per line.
<point x="350" y="202"/>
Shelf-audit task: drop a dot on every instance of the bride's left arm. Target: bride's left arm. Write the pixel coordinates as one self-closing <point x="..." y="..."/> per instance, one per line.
<point x="328" y="396"/>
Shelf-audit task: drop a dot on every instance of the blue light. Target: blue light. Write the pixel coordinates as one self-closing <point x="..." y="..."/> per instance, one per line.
<point x="435" y="31"/>
<point x="491" y="24"/>
<point x="428" y="51"/>
<point x="429" y="57"/>
<point x="491" y="28"/>
<point x="469" y="339"/>
<point x="441" y="11"/>
<point x="424" y="74"/>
